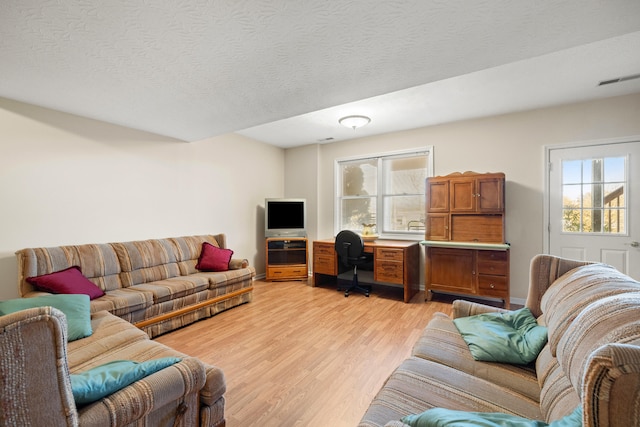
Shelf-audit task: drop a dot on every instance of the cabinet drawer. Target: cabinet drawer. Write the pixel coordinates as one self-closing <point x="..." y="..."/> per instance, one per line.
<point x="389" y="271"/>
<point x="492" y="256"/>
<point x="276" y="273"/>
<point x="493" y="263"/>
<point x="324" y="264"/>
<point x="492" y="285"/>
<point x="389" y="254"/>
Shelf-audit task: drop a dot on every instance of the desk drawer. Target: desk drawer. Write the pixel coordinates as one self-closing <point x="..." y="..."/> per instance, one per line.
<point x="389" y="271"/>
<point x="324" y="249"/>
<point x="389" y="254"/>
<point x="324" y="264"/>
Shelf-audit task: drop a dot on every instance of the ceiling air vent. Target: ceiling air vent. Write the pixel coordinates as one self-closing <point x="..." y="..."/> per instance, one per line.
<point x="619" y="79"/>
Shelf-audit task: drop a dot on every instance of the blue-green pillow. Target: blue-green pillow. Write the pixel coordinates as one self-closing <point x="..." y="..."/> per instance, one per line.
<point x="440" y="417"/>
<point x="74" y="306"/>
<point x="106" y="379"/>
<point x="509" y="337"/>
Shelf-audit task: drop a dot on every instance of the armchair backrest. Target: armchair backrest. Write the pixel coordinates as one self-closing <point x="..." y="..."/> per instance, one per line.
<point x="35" y="387"/>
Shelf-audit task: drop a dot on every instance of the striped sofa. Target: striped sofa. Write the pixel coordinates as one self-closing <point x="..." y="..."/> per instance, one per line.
<point x="591" y="359"/>
<point x="153" y="284"/>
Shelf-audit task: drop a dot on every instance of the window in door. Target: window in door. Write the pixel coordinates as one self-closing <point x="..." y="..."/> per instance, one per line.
<point x="594" y="196"/>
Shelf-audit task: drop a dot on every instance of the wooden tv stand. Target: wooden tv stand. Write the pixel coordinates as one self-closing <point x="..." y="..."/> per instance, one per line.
<point x="395" y="263"/>
<point x="287" y="258"/>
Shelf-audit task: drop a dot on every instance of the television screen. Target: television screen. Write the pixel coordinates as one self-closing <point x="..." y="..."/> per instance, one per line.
<point x="285" y="217"/>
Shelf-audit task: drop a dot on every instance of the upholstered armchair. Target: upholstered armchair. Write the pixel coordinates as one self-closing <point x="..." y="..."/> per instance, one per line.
<point x="35" y="389"/>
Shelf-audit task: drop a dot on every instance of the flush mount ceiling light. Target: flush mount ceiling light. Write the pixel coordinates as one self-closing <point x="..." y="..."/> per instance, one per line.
<point x="354" y="122"/>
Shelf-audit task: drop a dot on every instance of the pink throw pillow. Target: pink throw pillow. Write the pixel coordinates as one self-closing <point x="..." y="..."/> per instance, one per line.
<point x="68" y="281"/>
<point x="213" y="258"/>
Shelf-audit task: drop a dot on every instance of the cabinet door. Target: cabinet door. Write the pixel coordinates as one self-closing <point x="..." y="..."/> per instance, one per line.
<point x="437" y="227"/>
<point x="490" y="197"/>
<point x="437" y="195"/>
<point x="462" y="196"/>
<point x="452" y="270"/>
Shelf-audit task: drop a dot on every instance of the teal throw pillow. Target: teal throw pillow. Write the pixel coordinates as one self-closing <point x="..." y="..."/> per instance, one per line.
<point x="440" y="417"/>
<point x="106" y="379"/>
<point x="509" y="337"/>
<point x="74" y="306"/>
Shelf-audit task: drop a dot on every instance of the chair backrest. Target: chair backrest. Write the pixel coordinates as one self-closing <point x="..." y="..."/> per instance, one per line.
<point x="349" y="247"/>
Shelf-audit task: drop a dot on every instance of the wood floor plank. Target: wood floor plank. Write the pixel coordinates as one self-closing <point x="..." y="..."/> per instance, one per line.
<point x="306" y="356"/>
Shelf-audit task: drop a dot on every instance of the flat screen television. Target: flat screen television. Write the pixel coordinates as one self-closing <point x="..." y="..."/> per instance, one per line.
<point x="285" y="218"/>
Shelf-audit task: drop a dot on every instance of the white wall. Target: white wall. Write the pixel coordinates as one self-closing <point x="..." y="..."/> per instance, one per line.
<point x="513" y="144"/>
<point x="70" y="180"/>
<point x="301" y="165"/>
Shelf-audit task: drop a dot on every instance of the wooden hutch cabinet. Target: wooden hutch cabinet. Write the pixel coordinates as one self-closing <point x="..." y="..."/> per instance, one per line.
<point x="466" y="250"/>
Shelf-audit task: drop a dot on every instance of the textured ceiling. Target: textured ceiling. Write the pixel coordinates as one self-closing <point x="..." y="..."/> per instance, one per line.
<point x="284" y="71"/>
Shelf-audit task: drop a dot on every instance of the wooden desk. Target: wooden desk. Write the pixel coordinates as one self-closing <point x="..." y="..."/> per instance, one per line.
<point x="395" y="263"/>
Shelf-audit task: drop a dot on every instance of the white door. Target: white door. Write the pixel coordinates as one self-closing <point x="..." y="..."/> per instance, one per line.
<point x="594" y="204"/>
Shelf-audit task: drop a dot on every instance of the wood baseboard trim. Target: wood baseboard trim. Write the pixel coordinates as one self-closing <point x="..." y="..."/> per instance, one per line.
<point x="188" y="309"/>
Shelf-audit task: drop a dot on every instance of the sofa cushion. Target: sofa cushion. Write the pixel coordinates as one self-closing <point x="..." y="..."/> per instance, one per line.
<point x="106" y="379"/>
<point x="615" y="319"/>
<point x="224" y="279"/>
<point x="74" y="307"/>
<point x="67" y="281"/>
<point x="188" y="250"/>
<point x="123" y="301"/>
<point x="98" y="263"/>
<point x="441" y="342"/>
<point x="575" y="290"/>
<point x="557" y="396"/>
<point x="508" y="337"/>
<point x="213" y="258"/>
<point x="110" y="333"/>
<point x="146" y="261"/>
<point x="173" y="288"/>
<point x="417" y="385"/>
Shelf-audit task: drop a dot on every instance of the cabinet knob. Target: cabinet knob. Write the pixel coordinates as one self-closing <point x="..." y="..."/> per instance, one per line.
<point x="492" y="286"/>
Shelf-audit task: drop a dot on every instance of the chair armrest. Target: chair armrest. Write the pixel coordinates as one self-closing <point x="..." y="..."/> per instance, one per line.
<point x="463" y="308"/>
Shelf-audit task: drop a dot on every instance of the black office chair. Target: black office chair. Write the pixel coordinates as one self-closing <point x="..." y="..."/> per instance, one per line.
<point x="350" y="249"/>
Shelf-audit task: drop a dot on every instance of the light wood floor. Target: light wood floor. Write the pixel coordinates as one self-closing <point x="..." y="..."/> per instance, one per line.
<point x="304" y="356"/>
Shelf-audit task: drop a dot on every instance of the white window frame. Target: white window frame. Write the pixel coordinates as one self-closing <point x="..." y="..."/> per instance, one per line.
<point x="337" y="220"/>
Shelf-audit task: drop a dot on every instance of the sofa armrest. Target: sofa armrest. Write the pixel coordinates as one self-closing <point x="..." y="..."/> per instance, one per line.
<point x="175" y="388"/>
<point x="463" y="308"/>
<point x="611" y="386"/>
<point x="237" y="263"/>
